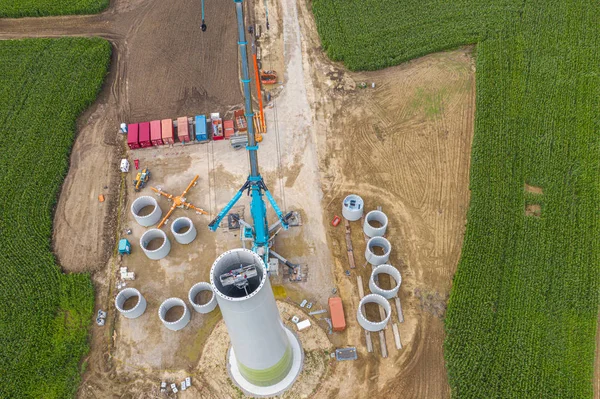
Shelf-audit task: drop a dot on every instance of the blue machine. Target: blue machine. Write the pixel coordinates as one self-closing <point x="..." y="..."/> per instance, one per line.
<point x="201" y="134"/>
<point x="255" y="186"/>
<point x="124" y="247"/>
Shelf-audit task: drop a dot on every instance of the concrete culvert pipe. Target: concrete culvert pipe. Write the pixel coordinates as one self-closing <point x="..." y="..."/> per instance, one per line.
<point x="183" y="230"/>
<point x="367" y="324"/>
<point x="130" y="303"/>
<point x="196" y="300"/>
<point x="174" y="314"/>
<point x="155" y="244"/>
<point x="353" y="207"/>
<point x="394" y="274"/>
<point x="146" y="211"/>
<point x="375" y="224"/>
<point x="378" y="251"/>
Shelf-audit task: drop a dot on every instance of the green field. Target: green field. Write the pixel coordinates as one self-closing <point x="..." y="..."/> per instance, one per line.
<point x="44" y="314"/>
<point x="523" y="309"/>
<point x="39" y="8"/>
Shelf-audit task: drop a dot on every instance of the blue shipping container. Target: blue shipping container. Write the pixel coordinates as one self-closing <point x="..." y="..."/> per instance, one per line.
<point x="201" y="134"/>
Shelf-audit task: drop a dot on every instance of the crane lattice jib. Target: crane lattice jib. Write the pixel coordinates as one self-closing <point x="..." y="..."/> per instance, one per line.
<point x="255" y="184"/>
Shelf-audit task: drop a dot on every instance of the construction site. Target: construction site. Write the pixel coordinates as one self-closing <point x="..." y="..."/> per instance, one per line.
<point x="259" y="221"/>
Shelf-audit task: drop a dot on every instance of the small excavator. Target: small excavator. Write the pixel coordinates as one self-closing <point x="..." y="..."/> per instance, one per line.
<point x="141" y="179"/>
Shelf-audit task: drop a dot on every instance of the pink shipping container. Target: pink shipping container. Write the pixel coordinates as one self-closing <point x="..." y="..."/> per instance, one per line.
<point x="145" y="135"/>
<point x="183" y="133"/>
<point x="156" y="133"/>
<point x="228" y="128"/>
<point x="167" y="131"/>
<point x="132" y="136"/>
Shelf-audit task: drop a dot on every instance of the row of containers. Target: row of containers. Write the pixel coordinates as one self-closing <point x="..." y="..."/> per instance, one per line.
<point x="184" y="130"/>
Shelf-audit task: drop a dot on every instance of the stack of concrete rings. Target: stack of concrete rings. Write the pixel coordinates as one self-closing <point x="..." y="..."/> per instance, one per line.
<point x="375" y="216"/>
<point x="146" y="220"/>
<point x="374" y="259"/>
<point x="160" y="252"/>
<point x="393" y="272"/>
<point x="177" y="324"/>
<point x="206" y="307"/>
<point x="365" y="323"/>
<point x="137" y="310"/>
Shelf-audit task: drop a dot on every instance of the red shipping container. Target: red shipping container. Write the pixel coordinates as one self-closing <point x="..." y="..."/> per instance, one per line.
<point x="145" y="135"/>
<point x="336" y="310"/>
<point x="167" y="131"/>
<point x="183" y="133"/>
<point x="133" y="136"/>
<point x="156" y="133"/>
<point x="228" y="127"/>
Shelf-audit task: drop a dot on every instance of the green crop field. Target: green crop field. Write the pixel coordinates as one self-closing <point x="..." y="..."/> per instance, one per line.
<point x="44" y="314"/>
<point x="523" y="309"/>
<point x="39" y="8"/>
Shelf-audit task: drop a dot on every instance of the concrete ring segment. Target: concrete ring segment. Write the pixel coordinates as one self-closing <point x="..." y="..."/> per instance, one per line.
<point x="168" y="305"/>
<point x="205" y="307"/>
<point x="376" y="223"/>
<point x="241" y="284"/>
<point x="150" y="219"/>
<point x="137" y="310"/>
<point x="365" y="323"/>
<point x="393" y="272"/>
<point x="183" y="230"/>
<point x="378" y="259"/>
<point x="353" y="207"/>
<point x="155" y="253"/>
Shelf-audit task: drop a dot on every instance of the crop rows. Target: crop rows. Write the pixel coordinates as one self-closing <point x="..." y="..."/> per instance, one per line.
<point x="44" y="317"/>
<point x="523" y="309"/>
<point x="39" y="8"/>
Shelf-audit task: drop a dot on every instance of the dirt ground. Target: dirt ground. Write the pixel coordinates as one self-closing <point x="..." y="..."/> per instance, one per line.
<point x="404" y="145"/>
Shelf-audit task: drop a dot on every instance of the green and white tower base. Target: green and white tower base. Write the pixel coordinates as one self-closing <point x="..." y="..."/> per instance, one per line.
<point x="265" y="357"/>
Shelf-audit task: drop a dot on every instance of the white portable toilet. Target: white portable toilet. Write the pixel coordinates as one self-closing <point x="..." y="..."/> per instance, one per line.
<point x="124" y="165"/>
<point x="123" y="128"/>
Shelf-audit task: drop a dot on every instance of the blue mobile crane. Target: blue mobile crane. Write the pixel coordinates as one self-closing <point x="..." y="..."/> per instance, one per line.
<point x="260" y="232"/>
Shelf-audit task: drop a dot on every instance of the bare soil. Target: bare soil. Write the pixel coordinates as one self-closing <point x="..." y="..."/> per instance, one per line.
<point x="386" y="146"/>
<point x="203" y="297"/>
<point x="155" y="244"/>
<point x="375" y="223"/>
<point x="145" y="211"/>
<point x="534" y="189"/>
<point x="378" y="250"/>
<point x="372" y="312"/>
<point x="130" y="303"/>
<point x="533" y="210"/>
<point x="183" y="229"/>
<point x="174" y="314"/>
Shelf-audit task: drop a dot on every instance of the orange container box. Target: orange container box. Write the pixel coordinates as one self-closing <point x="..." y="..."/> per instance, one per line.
<point x="336" y="310"/>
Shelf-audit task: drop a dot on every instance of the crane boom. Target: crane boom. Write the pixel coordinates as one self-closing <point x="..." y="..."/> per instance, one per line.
<point x="255" y="184"/>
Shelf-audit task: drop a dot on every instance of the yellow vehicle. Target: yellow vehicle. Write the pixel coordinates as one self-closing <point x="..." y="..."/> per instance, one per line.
<point x="141" y="179"/>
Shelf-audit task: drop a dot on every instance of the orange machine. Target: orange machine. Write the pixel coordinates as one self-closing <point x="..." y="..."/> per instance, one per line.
<point x="336" y="310"/>
<point x="178" y="201"/>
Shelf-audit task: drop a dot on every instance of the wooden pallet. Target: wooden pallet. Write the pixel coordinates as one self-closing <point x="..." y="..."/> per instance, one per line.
<point x="361" y="293"/>
<point x="349" y="245"/>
